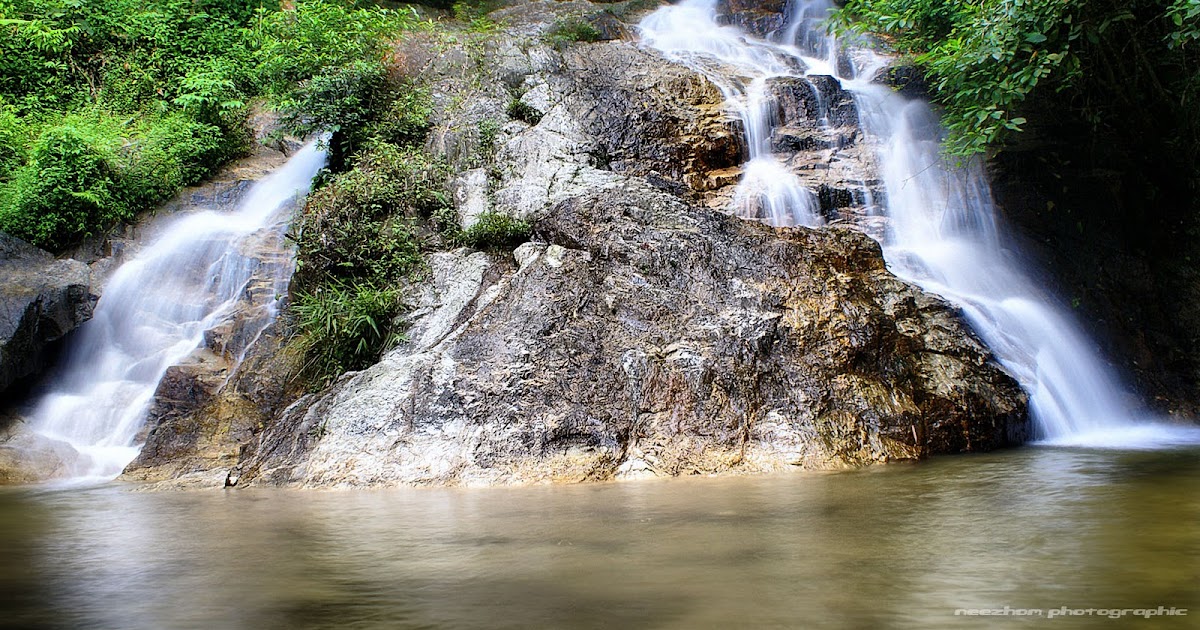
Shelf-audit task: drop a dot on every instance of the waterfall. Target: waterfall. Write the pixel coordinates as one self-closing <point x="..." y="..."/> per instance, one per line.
<point x="200" y="271"/>
<point x="689" y="33"/>
<point x="943" y="230"/>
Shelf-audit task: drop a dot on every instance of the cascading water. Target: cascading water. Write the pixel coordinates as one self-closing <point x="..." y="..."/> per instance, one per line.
<point x="156" y="309"/>
<point x="943" y="233"/>
<point x="689" y="33"/>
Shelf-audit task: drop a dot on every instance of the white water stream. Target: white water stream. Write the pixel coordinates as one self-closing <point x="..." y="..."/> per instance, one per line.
<point x="156" y="308"/>
<point x="943" y="233"/>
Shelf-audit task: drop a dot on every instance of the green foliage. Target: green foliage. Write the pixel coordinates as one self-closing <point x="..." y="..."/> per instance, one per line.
<point x="358" y="240"/>
<point x="344" y="326"/>
<point x="1185" y="15"/>
<point x="359" y="224"/>
<point x="493" y="229"/>
<point x="566" y="31"/>
<point x="67" y="191"/>
<point x="519" y="110"/>
<point x="14" y="140"/>
<point x="983" y="58"/>
<point x="986" y="59"/>
<point x="341" y="100"/>
<point x="173" y="151"/>
<point x="294" y="46"/>
<point x="471" y="10"/>
<point x="406" y="122"/>
<point x="90" y="170"/>
<point x="159" y="89"/>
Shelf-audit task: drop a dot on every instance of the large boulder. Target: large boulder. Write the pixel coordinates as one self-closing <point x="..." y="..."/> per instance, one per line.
<point x="41" y="300"/>
<point x="643" y="336"/>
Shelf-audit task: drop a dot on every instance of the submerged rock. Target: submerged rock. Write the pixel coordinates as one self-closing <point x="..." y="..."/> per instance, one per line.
<point x="41" y="300"/>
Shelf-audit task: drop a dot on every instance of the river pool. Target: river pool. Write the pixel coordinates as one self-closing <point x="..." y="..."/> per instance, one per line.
<point x="897" y="546"/>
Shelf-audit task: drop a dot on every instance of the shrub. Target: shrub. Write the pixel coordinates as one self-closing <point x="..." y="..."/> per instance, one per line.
<point x="572" y="30"/>
<point x="359" y="225"/>
<point x="343" y="101"/>
<point x="173" y="151"/>
<point x="13" y="140"/>
<point x="519" y="110"/>
<point x="66" y="192"/>
<point x="344" y="326"/>
<point x="494" y="229"/>
<point x="302" y="43"/>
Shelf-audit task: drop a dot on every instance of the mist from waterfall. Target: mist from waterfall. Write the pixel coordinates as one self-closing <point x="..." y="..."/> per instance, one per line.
<point x="200" y="271"/>
<point x="943" y="229"/>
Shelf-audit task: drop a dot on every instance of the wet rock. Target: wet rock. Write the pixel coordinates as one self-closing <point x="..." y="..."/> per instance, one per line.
<point x="907" y="80"/>
<point x="649" y="116"/>
<point x="763" y="18"/>
<point x="815" y="101"/>
<point x="41" y="300"/>
<point x="26" y="457"/>
<point x="647" y="335"/>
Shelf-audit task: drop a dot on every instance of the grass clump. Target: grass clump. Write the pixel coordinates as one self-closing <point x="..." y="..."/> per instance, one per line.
<point x="571" y="30"/>
<point x="359" y="239"/>
<point x="345" y="325"/>
<point x="522" y="111"/>
<point x="494" y="230"/>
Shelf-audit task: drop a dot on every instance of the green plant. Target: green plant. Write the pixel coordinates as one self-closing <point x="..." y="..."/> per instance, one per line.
<point x="14" y="140"/>
<point x="343" y="101"/>
<point x="344" y="326"/>
<point x="570" y="30"/>
<point x="358" y="225"/>
<point x="489" y="133"/>
<point x="296" y="45"/>
<point x="494" y="229"/>
<point x="519" y="110"/>
<point x="173" y="151"/>
<point x="1106" y="61"/>
<point x="67" y="191"/>
<point x="1185" y="15"/>
<point x="470" y="10"/>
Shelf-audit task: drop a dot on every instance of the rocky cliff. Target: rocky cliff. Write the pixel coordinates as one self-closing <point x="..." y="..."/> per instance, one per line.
<point x="641" y="331"/>
<point x="41" y="300"/>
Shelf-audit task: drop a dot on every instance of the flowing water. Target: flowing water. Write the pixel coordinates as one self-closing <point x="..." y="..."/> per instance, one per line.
<point x="201" y="270"/>
<point x="900" y="546"/>
<point x="943" y="231"/>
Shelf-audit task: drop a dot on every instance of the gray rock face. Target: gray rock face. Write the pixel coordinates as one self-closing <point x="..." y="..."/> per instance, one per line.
<point x="760" y="17"/>
<point x="644" y="336"/>
<point x="643" y="331"/>
<point x="41" y="300"/>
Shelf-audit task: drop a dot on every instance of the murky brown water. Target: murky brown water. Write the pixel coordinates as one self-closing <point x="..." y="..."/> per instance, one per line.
<point x="893" y="547"/>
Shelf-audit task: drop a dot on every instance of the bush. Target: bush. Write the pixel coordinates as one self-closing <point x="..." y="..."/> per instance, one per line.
<point x="572" y="30"/>
<point x="493" y="229"/>
<point x="174" y="151"/>
<point x="359" y="225"/>
<point x="1103" y="62"/>
<point x="66" y="192"/>
<point x="343" y="101"/>
<point x="317" y="35"/>
<point x="344" y="326"/>
<point x="519" y="110"/>
<point x="13" y="141"/>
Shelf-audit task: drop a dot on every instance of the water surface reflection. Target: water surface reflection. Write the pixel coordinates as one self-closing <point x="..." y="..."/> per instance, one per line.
<point x="896" y="546"/>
